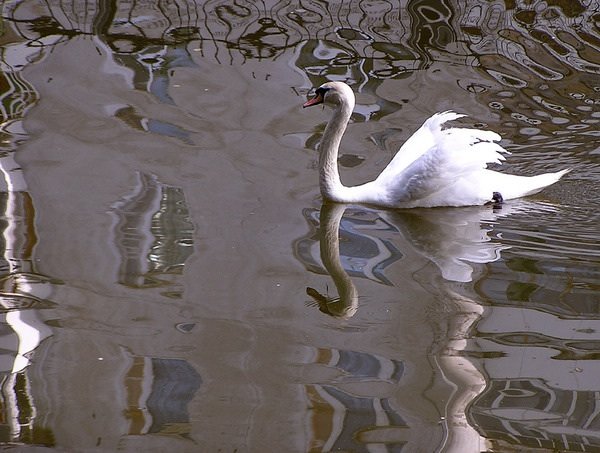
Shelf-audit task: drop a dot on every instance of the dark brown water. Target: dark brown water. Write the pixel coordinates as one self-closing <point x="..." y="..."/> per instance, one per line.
<point x="171" y="281"/>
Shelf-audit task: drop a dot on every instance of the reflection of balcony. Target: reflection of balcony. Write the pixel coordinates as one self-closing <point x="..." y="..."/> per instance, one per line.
<point x="382" y="38"/>
<point x="153" y="235"/>
<point x="373" y="43"/>
<point x="551" y="26"/>
<point x="531" y="413"/>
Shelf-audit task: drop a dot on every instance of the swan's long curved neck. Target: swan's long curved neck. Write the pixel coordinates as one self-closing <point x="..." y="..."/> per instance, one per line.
<point x="329" y="176"/>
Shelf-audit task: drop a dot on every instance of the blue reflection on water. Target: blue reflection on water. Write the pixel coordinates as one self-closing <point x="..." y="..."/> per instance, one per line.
<point x="175" y="384"/>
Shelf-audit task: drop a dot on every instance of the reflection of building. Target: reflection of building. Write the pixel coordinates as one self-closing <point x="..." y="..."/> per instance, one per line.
<point x="360" y="41"/>
<point x="538" y="345"/>
<point x="23" y="291"/>
<point x="152" y="238"/>
<point x="153" y="235"/>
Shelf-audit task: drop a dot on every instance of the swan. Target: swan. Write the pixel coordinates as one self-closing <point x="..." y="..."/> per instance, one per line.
<point x="435" y="166"/>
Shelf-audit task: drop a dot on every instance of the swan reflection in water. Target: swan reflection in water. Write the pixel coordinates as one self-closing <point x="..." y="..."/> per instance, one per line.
<point x="346" y="304"/>
<point x="451" y="238"/>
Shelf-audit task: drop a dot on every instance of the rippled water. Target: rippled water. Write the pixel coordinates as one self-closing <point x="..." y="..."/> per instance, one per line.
<point x="171" y="279"/>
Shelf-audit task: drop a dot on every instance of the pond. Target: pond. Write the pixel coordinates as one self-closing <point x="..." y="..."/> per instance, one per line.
<point x="172" y="280"/>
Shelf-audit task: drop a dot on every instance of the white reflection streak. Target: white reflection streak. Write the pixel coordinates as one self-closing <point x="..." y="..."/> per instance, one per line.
<point x="13" y="406"/>
<point x="460" y="436"/>
<point x="27" y="327"/>
<point x="24" y="324"/>
<point x="20" y="321"/>
<point x="29" y="338"/>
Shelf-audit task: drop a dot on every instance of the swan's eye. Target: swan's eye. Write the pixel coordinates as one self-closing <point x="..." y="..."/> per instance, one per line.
<point x="321" y="91"/>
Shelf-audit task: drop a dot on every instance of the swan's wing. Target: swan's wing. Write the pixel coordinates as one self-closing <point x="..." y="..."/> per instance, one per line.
<point x="420" y="142"/>
<point x="439" y="158"/>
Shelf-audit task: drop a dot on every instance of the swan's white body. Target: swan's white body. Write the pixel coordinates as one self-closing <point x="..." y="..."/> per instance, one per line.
<point x="435" y="167"/>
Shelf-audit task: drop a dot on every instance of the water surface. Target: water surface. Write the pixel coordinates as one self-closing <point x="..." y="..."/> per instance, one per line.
<point x="172" y="280"/>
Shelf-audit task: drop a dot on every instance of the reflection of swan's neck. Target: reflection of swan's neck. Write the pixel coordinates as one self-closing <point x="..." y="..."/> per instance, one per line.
<point x="329" y="177"/>
<point x="331" y="215"/>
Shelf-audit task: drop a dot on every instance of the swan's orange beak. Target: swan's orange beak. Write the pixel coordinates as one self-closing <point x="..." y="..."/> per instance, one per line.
<point x="318" y="99"/>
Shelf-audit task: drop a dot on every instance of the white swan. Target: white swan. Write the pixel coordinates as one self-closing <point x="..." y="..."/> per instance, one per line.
<point x="434" y="167"/>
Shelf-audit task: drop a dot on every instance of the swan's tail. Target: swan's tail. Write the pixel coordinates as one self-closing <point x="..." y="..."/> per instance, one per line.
<point x="539" y="182"/>
<point x="513" y="186"/>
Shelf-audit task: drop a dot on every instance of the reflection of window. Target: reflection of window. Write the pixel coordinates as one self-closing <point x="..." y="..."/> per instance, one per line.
<point x="158" y="392"/>
<point x="344" y="421"/>
<point x="153" y="234"/>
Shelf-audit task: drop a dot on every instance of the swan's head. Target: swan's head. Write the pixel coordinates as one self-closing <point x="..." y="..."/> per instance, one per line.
<point x="333" y="94"/>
